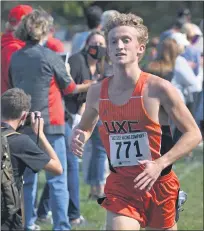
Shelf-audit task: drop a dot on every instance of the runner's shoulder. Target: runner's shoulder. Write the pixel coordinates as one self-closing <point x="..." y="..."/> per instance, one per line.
<point x="94" y="92"/>
<point x="159" y="84"/>
<point x="162" y="88"/>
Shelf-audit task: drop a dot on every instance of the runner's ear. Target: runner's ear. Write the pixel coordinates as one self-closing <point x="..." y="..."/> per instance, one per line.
<point x="141" y="49"/>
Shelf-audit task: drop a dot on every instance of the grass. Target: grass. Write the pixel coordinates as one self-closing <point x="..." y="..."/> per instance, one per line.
<point x="191" y="180"/>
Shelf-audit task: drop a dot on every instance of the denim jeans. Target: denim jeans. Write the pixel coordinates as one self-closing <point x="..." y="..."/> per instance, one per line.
<point x="30" y="190"/>
<point x="94" y="160"/>
<point x="58" y="193"/>
<point x="198" y="113"/>
<point x="44" y="204"/>
<point x="72" y="182"/>
<point x="73" y="179"/>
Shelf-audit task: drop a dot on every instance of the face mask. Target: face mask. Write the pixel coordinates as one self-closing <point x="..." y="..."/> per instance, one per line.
<point x="97" y="52"/>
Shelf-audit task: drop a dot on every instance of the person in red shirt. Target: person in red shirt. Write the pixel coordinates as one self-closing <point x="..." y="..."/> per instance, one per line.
<point x="10" y="44"/>
<point x="55" y="44"/>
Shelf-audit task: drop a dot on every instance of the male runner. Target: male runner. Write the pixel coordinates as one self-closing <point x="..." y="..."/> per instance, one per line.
<point x="141" y="190"/>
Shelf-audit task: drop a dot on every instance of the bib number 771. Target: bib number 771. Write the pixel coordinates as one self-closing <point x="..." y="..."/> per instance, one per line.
<point x="128" y="149"/>
<point x="128" y="143"/>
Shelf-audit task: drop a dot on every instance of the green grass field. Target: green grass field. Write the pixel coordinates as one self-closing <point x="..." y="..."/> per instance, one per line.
<point x="191" y="179"/>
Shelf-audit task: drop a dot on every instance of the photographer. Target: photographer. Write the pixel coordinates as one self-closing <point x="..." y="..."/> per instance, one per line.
<point x="15" y="105"/>
<point x="41" y="73"/>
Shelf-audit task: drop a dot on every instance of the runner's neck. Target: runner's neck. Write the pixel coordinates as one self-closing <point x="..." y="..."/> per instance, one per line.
<point x="126" y="78"/>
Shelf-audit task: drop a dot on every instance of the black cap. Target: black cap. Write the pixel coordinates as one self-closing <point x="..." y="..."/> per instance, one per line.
<point x="183" y="12"/>
<point x="93" y="15"/>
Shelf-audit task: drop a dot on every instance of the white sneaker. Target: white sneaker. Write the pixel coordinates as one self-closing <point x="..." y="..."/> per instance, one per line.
<point x="48" y="219"/>
<point x="182" y="198"/>
<point x="33" y="227"/>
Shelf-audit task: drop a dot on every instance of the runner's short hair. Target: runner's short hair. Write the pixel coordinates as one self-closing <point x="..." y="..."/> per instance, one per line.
<point x="131" y="20"/>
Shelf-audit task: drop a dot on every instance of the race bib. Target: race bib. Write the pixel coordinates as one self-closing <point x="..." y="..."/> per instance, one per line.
<point x="128" y="149"/>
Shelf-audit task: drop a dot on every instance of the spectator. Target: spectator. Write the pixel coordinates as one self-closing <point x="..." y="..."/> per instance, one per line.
<point x="187" y="91"/>
<point x="184" y="15"/>
<point x="72" y="168"/>
<point x="151" y="52"/>
<point x="44" y="213"/>
<point x="10" y="44"/>
<point x="191" y="53"/>
<point x="106" y="16"/>
<point x="55" y="44"/>
<point x="91" y="67"/>
<point x="42" y="74"/>
<point x="83" y="68"/>
<point x="93" y="18"/>
<point x="176" y="27"/>
<point x="172" y="66"/>
<point x="15" y="105"/>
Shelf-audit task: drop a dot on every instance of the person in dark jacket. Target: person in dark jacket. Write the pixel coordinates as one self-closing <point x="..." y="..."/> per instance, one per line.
<point x="41" y="73"/>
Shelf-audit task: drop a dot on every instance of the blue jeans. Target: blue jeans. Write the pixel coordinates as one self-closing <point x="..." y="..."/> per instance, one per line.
<point x="72" y="182"/>
<point x="58" y="193"/>
<point x="94" y="160"/>
<point x="30" y="191"/>
<point x="198" y="113"/>
<point x="44" y="204"/>
<point x="73" y="179"/>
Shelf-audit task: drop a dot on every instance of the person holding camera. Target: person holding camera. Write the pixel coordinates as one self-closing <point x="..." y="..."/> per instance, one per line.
<point x="15" y="107"/>
<point x="42" y="73"/>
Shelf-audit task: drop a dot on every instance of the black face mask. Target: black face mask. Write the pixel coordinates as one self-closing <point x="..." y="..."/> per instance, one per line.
<point x="97" y="52"/>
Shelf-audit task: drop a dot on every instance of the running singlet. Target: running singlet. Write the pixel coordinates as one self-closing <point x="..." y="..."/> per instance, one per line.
<point x="127" y="132"/>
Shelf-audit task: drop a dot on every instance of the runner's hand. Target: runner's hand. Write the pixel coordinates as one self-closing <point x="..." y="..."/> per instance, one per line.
<point x="146" y="179"/>
<point x="77" y="142"/>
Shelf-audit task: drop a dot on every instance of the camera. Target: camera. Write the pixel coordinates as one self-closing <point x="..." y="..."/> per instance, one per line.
<point x="28" y="118"/>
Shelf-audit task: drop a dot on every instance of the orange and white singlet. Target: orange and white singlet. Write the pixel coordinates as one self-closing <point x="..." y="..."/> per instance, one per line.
<point x="130" y="135"/>
<point x="127" y="132"/>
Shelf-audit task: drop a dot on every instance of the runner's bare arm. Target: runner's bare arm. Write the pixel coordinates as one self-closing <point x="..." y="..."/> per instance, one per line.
<point x="182" y="118"/>
<point x="172" y="103"/>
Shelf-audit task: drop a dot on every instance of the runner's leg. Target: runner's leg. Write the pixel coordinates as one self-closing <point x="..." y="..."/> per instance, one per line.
<point x="119" y="222"/>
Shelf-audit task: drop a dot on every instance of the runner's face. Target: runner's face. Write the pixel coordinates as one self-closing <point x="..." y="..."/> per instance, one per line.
<point x="123" y="46"/>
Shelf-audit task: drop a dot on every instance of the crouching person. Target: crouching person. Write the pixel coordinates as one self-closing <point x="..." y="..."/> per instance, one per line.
<point x="19" y="151"/>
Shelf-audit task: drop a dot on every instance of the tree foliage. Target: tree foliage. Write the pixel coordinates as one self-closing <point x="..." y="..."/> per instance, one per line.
<point x="157" y="15"/>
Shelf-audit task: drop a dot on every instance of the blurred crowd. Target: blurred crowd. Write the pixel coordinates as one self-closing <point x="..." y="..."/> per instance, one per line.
<point x="34" y="60"/>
